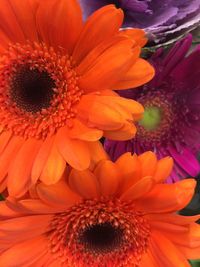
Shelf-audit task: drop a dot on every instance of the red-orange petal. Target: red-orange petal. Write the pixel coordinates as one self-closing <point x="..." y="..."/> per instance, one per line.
<point x="126" y="132"/>
<point x="129" y="108"/>
<point x="3" y="184"/>
<point x="130" y="169"/>
<point x="24" y="253"/>
<point x="32" y="206"/>
<point x="138" y="35"/>
<point x="148" y="260"/>
<point x="75" y="152"/>
<point x="10" y="229"/>
<point x="108" y="177"/>
<point x="165" y="253"/>
<point x="105" y="76"/>
<point x="191" y="237"/>
<point x="8" y="156"/>
<point x="41" y="158"/>
<point x="9" y="22"/>
<point x="139" y="73"/>
<point x="60" y="23"/>
<point x="82" y="132"/>
<point x="137" y="190"/>
<point x="57" y="195"/>
<point x="19" y="179"/>
<point x="168" y="197"/>
<point x="4" y="139"/>
<point x="100" y="114"/>
<point x="96" y="52"/>
<point x="190" y="253"/>
<point x="98" y="153"/>
<point x="6" y="212"/>
<point x="54" y="167"/>
<point x="102" y="25"/>
<point x="163" y="169"/>
<point x="174" y="218"/>
<point x="148" y="161"/>
<point x="25" y="17"/>
<point x="84" y="183"/>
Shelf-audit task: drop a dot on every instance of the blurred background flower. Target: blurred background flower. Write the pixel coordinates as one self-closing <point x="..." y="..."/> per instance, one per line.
<point x="164" y="21"/>
<point x="171" y="121"/>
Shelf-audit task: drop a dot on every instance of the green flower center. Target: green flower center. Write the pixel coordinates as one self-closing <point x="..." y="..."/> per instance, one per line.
<point x="151" y="118"/>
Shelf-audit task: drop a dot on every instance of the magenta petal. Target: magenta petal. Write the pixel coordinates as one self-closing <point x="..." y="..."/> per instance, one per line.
<point x="176" y="54"/>
<point x="186" y="160"/>
<point x="185" y="70"/>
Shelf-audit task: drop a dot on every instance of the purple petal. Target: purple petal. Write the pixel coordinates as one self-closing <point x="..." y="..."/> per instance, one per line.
<point x="186" y="160"/>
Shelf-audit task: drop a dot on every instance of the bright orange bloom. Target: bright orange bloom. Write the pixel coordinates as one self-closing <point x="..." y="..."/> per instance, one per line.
<point x="57" y="77"/>
<point x="118" y="215"/>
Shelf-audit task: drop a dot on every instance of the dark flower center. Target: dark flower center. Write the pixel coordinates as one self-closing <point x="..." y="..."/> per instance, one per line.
<point x="102" y="238"/>
<point x="99" y="232"/>
<point x="32" y="89"/>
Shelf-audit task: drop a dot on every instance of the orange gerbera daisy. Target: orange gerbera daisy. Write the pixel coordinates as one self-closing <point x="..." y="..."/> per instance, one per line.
<point x="119" y="215"/>
<point x="56" y="80"/>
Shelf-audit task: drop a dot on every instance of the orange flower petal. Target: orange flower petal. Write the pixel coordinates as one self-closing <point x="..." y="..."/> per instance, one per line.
<point x="126" y="132"/>
<point x="89" y="60"/>
<point x="100" y="114"/>
<point x="108" y="177"/>
<point x="190" y="253"/>
<point x="24" y="253"/>
<point x="41" y="158"/>
<point x="3" y="184"/>
<point x="132" y="110"/>
<point x="4" y="41"/>
<point x="54" y="167"/>
<point x="82" y="132"/>
<point x="4" y="139"/>
<point x="163" y="169"/>
<point x="174" y="218"/>
<point x="8" y="156"/>
<point x="6" y="212"/>
<point x="148" y="260"/>
<point x="57" y="195"/>
<point x="98" y="153"/>
<point x="60" y="23"/>
<point x="84" y="183"/>
<point x="168" y="197"/>
<point x="140" y="73"/>
<point x="165" y="253"/>
<point x="148" y="163"/>
<point x="165" y="227"/>
<point x="142" y="187"/>
<point x="20" y="169"/>
<point x="75" y="152"/>
<point x="138" y="35"/>
<point x="28" y="224"/>
<point x="102" y="25"/>
<point x="25" y="17"/>
<point x="191" y="237"/>
<point x="101" y="75"/>
<point x="130" y="169"/>
<point x="9" y="23"/>
<point x="32" y="206"/>
<point x="46" y="260"/>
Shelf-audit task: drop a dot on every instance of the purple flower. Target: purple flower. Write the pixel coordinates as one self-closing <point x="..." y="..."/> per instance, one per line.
<point x="163" y="20"/>
<point x="171" y="121"/>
